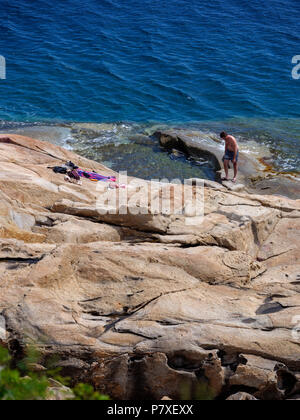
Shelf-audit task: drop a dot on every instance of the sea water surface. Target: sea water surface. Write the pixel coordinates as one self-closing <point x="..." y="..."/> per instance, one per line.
<point x="127" y="67"/>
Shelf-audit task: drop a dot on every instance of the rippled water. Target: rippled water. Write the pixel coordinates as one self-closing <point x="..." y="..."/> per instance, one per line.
<point x="202" y="65"/>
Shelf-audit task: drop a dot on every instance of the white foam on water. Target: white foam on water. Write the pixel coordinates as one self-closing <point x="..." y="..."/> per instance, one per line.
<point x="103" y="134"/>
<point x="60" y="136"/>
<point x="255" y="149"/>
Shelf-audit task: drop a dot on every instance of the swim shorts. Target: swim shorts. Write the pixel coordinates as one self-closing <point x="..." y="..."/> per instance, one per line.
<point x="230" y="156"/>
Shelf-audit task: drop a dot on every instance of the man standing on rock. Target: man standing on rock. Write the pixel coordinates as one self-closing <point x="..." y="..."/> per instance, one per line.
<point x="231" y="153"/>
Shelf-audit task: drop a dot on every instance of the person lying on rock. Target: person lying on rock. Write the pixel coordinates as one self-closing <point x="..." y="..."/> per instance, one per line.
<point x="231" y="154"/>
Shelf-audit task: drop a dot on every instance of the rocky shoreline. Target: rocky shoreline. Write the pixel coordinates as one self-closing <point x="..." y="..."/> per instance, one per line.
<point x="256" y="175"/>
<point x="147" y="306"/>
<point x="161" y="151"/>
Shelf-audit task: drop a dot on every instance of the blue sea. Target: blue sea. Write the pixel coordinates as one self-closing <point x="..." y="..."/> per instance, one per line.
<point x="134" y="64"/>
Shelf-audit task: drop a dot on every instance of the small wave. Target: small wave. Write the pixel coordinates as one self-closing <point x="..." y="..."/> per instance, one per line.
<point x="148" y="58"/>
<point x="171" y="90"/>
<point x="112" y="72"/>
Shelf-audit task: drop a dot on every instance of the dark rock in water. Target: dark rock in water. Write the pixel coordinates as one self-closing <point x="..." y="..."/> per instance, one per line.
<point x="177" y="153"/>
<point x="141" y="139"/>
<point x="175" y="140"/>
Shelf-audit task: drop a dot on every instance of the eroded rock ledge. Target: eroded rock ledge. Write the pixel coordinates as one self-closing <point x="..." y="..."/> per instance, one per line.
<point x="148" y="306"/>
<point x="256" y="176"/>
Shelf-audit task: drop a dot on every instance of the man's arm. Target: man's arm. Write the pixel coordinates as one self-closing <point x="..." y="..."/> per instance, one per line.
<point x="227" y="142"/>
<point x="235" y="150"/>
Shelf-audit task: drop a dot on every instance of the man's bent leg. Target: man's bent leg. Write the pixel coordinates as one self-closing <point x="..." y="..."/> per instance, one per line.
<point x="236" y="167"/>
<point x="226" y="164"/>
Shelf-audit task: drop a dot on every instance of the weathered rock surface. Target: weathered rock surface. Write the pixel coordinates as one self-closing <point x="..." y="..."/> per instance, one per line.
<point x="154" y="304"/>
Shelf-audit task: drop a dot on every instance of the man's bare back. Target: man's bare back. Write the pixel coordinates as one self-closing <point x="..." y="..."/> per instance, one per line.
<point x="231" y="154"/>
<point x="231" y="144"/>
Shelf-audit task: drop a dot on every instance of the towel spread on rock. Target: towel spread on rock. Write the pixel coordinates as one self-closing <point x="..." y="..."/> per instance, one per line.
<point x="93" y="176"/>
<point x="74" y="172"/>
